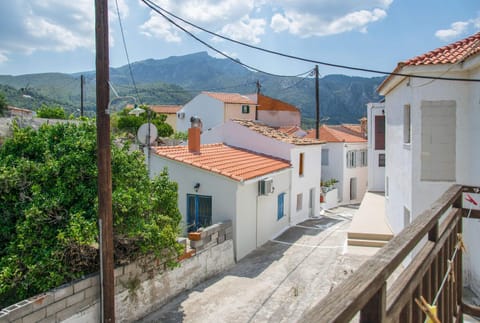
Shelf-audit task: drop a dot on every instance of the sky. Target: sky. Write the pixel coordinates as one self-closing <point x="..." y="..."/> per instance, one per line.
<point x="38" y="36"/>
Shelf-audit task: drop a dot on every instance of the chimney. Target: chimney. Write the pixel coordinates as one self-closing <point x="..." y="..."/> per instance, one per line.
<point x="194" y="135"/>
<point x="363" y="127"/>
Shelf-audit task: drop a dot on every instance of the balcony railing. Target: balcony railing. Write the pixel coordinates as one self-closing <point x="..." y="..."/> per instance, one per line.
<point x="431" y="245"/>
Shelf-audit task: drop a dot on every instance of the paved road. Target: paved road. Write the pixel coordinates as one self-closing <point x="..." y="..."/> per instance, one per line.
<point x="277" y="282"/>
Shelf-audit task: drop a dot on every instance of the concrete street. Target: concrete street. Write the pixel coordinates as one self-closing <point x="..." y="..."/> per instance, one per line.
<point x="277" y="282"/>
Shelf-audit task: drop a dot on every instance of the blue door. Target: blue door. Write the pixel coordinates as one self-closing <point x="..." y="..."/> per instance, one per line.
<point x="199" y="211"/>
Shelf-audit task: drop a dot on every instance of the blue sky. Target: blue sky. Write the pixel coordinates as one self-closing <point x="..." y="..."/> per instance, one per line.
<point x="58" y="36"/>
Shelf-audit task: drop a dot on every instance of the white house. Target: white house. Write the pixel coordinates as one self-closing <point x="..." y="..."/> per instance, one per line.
<point x="304" y="154"/>
<point x="170" y="111"/>
<point x="376" y="147"/>
<point x="432" y="133"/>
<point x="215" y="108"/>
<point x="217" y="182"/>
<point x="344" y="158"/>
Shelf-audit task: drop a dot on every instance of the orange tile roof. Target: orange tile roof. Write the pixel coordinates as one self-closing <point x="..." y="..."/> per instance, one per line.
<point x="354" y="129"/>
<point x="230" y="97"/>
<point x="238" y="164"/>
<point x="270" y="104"/>
<point x="330" y="134"/>
<point x="165" y="109"/>
<point x="276" y="133"/>
<point x="449" y="54"/>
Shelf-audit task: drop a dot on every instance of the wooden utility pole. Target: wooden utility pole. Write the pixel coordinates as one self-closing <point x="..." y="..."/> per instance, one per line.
<point x="104" y="161"/>
<point x="317" y="101"/>
<point x="82" y="82"/>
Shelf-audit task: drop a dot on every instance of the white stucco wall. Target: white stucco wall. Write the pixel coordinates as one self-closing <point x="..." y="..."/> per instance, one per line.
<point x="335" y="167"/>
<point x="303" y="184"/>
<point x="279" y="118"/>
<point x="376" y="174"/>
<point x="257" y="215"/>
<point x="360" y="173"/>
<point x="234" y="111"/>
<point x="233" y="134"/>
<point x="210" y="110"/>
<point x="403" y="161"/>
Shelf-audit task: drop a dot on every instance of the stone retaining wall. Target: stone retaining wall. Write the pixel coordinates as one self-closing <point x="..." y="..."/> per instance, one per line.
<point x="139" y="288"/>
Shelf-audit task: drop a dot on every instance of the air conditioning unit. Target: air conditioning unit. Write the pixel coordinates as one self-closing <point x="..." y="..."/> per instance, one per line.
<point x="181" y="115"/>
<point x="265" y="186"/>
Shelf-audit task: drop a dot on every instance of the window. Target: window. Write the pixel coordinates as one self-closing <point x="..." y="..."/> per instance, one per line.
<point x="324" y="157"/>
<point x="407" y="128"/>
<point x="199" y="212"/>
<point x="280" y="206"/>
<point x="438" y="146"/>
<point x="363" y="158"/>
<point x="300" y="164"/>
<point x="245" y="109"/>
<point x="379" y="132"/>
<point x="299" y="201"/>
<point x="351" y="159"/>
<point x="381" y="160"/>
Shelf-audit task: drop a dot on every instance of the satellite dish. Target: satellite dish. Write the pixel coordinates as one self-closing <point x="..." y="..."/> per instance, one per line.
<point x="142" y="133"/>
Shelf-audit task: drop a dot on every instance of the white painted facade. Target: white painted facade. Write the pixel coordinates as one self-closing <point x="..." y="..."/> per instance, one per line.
<point x="335" y="167"/>
<point x="211" y="111"/>
<point x="376" y="172"/>
<point x="308" y="185"/>
<point x="254" y="217"/>
<point x="406" y="192"/>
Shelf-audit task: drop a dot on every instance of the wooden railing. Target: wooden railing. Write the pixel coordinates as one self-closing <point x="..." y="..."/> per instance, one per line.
<point x="431" y="247"/>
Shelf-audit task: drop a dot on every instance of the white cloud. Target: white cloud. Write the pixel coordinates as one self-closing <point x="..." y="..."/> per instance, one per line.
<point x="456" y="29"/>
<point x="46" y="25"/>
<point x="328" y="17"/>
<point x="3" y="57"/>
<point x="246" y="29"/>
<point x="158" y="27"/>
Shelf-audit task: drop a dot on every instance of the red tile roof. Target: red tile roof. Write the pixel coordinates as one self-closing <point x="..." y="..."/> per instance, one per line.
<point x="271" y="104"/>
<point x="450" y="54"/>
<point x="238" y="164"/>
<point x="353" y="129"/>
<point x="329" y="134"/>
<point x="277" y="134"/>
<point x="230" y="97"/>
<point x="166" y="109"/>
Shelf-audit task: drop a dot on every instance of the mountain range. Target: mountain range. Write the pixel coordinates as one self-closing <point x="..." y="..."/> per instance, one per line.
<point x="177" y="79"/>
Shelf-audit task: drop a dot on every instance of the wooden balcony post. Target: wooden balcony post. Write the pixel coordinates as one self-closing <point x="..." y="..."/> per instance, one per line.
<point x="375" y="309"/>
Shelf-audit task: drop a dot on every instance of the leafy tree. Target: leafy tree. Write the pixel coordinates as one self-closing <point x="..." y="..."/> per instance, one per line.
<point x="51" y="112"/>
<point x="48" y="202"/>
<point x="3" y="105"/>
<point x="131" y="123"/>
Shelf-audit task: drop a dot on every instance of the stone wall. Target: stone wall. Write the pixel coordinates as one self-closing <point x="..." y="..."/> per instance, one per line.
<point x="140" y="287"/>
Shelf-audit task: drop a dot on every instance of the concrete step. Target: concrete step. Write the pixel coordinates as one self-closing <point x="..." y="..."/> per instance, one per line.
<point x="370" y="236"/>
<point x="366" y="242"/>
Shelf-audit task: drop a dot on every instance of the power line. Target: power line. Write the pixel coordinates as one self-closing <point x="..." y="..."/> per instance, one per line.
<point x="160" y="11"/>
<point x="126" y="51"/>
<point x="153" y="5"/>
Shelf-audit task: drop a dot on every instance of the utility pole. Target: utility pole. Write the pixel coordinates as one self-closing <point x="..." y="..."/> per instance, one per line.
<point x="258" y="86"/>
<point x="82" y="82"/>
<point x="104" y="162"/>
<point x="317" y="101"/>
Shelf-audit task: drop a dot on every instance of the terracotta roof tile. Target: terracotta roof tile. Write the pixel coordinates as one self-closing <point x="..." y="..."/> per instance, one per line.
<point x="449" y="54"/>
<point x="230" y="97"/>
<point x="331" y="134"/>
<point x="276" y="133"/>
<point x="238" y="164"/>
<point x="166" y="109"/>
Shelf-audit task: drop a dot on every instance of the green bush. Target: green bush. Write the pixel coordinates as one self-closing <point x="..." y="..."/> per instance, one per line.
<point x="48" y="202"/>
<point x="51" y="112"/>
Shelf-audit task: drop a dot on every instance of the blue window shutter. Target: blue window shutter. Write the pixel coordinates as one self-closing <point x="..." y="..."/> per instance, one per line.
<point x="281" y="203"/>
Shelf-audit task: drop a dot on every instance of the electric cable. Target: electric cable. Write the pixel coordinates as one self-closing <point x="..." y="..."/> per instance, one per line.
<point x="126" y="52"/>
<point x="159" y="10"/>
<point x="151" y="6"/>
